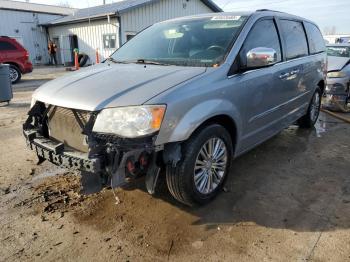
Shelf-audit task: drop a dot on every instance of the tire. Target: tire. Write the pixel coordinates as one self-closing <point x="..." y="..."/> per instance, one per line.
<point x="181" y="178"/>
<point x="309" y="120"/>
<point x="83" y="58"/>
<point x="15" y="74"/>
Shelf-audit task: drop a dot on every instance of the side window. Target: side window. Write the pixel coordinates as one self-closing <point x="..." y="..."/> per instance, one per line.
<point x="294" y="38"/>
<point x="263" y="34"/>
<point x="4" y="46"/>
<point x="129" y="36"/>
<point x="109" y="41"/>
<point x="316" y="41"/>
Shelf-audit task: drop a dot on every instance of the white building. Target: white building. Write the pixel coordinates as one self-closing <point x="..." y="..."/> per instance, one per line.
<point x="339" y="38"/>
<point x="22" y="21"/>
<point x="107" y="27"/>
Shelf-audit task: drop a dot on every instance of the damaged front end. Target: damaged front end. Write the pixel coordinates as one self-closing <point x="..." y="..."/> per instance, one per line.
<point x="337" y="95"/>
<point x="65" y="137"/>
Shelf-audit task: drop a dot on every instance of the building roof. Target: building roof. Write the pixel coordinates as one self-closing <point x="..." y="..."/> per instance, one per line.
<point x="37" y="8"/>
<point x="113" y="9"/>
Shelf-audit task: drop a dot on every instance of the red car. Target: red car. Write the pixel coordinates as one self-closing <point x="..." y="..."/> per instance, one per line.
<point x="14" y="54"/>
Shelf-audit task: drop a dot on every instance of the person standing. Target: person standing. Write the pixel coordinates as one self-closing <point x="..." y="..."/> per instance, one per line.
<point x="52" y="52"/>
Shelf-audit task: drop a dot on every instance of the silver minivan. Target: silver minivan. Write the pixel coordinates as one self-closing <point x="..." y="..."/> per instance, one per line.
<point x="185" y="96"/>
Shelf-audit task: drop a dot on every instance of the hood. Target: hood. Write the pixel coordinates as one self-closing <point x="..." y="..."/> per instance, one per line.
<point x="336" y="63"/>
<point x="112" y="85"/>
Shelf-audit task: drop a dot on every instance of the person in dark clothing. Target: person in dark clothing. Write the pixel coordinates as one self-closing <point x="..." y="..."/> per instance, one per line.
<point x="52" y="52"/>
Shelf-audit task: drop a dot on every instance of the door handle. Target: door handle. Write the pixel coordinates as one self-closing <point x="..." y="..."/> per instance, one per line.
<point x="284" y="75"/>
<point x="295" y="72"/>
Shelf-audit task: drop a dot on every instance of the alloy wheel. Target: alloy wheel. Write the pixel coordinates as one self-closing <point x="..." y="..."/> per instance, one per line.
<point x="210" y="165"/>
<point x="13" y="74"/>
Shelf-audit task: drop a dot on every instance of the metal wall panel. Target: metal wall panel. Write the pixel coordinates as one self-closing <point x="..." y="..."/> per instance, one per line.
<point x="137" y="19"/>
<point x="24" y="26"/>
<point x="90" y="37"/>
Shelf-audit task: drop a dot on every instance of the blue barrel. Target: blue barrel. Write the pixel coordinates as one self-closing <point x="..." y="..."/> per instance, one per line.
<point x="5" y="84"/>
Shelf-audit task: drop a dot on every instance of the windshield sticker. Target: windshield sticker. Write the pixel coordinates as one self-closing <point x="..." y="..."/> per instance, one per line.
<point x="226" y="18"/>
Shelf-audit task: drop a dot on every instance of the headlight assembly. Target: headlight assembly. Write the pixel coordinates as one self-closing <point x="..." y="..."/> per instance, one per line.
<point x="130" y="122"/>
<point x="336" y="74"/>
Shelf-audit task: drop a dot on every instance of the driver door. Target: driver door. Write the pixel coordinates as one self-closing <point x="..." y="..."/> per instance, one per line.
<point x="260" y="95"/>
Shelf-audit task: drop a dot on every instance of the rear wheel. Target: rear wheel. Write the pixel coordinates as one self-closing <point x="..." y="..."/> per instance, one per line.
<point x="200" y="175"/>
<point x="15" y="74"/>
<point x="309" y="120"/>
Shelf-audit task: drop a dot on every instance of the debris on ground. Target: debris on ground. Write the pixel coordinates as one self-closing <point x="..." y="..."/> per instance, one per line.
<point x="117" y="200"/>
<point x="6" y="190"/>
<point x="32" y="172"/>
<point x="58" y="193"/>
<point x="225" y="189"/>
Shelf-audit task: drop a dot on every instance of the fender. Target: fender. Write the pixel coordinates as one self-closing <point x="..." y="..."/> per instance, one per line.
<point x="176" y="130"/>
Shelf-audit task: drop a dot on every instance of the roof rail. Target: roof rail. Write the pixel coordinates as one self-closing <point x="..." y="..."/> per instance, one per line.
<point x="264" y="10"/>
<point x="4" y="36"/>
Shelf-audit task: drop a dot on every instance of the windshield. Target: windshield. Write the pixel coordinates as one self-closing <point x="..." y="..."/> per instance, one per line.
<point x="341" y="51"/>
<point x="195" y="42"/>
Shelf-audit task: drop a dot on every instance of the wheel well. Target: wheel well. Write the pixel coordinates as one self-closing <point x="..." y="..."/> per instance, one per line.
<point x="14" y="64"/>
<point x="225" y="121"/>
<point x="321" y="85"/>
<point x="172" y="151"/>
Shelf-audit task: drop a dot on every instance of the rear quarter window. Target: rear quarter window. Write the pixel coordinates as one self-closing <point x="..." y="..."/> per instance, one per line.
<point x="5" y="46"/>
<point x="294" y="39"/>
<point x="316" y="41"/>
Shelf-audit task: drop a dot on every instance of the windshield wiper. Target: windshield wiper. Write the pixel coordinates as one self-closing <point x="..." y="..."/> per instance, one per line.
<point x="148" y="62"/>
<point x="116" y="61"/>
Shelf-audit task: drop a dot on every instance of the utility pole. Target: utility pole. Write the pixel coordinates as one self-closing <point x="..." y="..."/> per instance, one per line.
<point x="104" y="2"/>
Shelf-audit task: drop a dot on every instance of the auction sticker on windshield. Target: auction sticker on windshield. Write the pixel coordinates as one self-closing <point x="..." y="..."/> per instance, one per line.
<point x="226" y="18"/>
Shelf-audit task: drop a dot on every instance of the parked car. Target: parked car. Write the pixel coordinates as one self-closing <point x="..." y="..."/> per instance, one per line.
<point x="340" y="50"/>
<point x="14" y="54"/>
<point x="186" y="95"/>
<point x="337" y="93"/>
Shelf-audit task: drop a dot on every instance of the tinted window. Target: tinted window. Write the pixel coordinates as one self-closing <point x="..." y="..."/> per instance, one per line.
<point x="263" y="34"/>
<point x="294" y="39"/>
<point x="4" y="45"/>
<point x="316" y="42"/>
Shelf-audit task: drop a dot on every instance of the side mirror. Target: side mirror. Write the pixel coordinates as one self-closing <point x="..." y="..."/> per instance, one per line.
<point x="261" y="57"/>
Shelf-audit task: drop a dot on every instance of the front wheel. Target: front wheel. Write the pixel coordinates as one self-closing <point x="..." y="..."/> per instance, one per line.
<point x="309" y="120"/>
<point x="200" y="175"/>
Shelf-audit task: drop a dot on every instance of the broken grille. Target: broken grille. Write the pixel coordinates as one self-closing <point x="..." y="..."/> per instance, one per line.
<point x="67" y="125"/>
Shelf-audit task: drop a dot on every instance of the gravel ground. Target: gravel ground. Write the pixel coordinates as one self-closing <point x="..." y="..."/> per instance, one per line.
<point x="286" y="200"/>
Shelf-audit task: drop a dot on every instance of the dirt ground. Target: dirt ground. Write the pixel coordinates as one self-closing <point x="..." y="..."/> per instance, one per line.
<point x="287" y="200"/>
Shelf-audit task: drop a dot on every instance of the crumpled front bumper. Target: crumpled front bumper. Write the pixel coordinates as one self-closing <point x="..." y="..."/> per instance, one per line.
<point x="110" y="158"/>
<point x="337" y="86"/>
<point x="58" y="154"/>
<point x="336" y="93"/>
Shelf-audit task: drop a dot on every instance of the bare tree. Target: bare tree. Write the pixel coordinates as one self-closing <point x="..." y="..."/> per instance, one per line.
<point x="333" y="30"/>
<point x="326" y="30"/>
<point x="329" y="30"/>
<point x="64" y="4"/>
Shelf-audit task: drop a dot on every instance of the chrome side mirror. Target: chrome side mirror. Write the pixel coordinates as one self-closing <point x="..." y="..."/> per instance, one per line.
<point x="261" y="56"/>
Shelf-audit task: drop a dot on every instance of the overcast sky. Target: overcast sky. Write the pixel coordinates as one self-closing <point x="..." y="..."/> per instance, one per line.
<point x="326" y="13"/>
